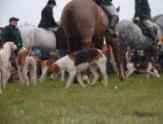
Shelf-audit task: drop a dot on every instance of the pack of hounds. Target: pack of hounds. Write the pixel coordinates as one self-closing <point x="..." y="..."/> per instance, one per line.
<point x="75" y="64"/>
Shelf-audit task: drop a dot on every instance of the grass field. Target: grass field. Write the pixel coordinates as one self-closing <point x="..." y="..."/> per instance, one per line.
<point x="135" y="101"/>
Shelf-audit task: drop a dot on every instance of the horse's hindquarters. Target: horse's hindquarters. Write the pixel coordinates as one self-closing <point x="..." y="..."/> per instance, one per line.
<point x="38" y="37"/>
<point x="45" y="39"/>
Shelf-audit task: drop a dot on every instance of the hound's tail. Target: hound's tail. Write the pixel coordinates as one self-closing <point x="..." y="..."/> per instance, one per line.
<point x="25" y="52"/>
<point x="30" y="47"/>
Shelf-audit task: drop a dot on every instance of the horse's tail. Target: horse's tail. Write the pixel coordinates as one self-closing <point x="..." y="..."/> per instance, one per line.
<point x="69" y="24"/>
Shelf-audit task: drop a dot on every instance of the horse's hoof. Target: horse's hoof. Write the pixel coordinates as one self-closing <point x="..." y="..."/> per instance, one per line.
<point x="122" y="78"/>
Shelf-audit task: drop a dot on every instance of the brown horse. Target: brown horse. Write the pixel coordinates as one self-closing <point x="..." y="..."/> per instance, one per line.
<point x="85" y="20"/>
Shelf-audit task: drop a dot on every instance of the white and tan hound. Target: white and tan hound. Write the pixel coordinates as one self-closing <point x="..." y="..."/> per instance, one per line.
<point x="78" y="62"/>
<point x="45" y="66"/>
<point x="5" y="65"/>
<point x="150" y="67"/>
<point x="26" y="63"/>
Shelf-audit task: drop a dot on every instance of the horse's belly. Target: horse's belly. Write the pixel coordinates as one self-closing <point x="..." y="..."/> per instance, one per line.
<point x="46" y="40"/>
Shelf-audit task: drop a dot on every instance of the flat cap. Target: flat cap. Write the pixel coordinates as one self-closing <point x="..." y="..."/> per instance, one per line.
<point x="13" y="19"/>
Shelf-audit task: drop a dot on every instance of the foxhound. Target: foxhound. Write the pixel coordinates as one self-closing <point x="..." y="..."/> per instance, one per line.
<point x="45" y="66"/>
<point x="78" y="62"/>
<point x="26" y="63"/>
<point x="5" y="65"/>
<point x="150" y="67"/>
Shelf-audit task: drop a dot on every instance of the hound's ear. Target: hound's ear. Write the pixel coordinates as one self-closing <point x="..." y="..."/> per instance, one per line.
<point x="118" y="9"/>
<point x="54" y="68"/>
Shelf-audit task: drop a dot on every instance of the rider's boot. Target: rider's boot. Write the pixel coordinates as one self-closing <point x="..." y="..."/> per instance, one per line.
<point x="151" y="28"/>
<point x="152" y="34"/>
<point x="111" y="28"/>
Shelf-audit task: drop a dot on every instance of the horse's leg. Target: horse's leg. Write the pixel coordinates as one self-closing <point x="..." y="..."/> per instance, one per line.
<point x="116" y="53"/>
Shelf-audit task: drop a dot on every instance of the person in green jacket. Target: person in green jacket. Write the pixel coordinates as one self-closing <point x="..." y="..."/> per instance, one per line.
<point x="108" y="6"/>
<point x="12" y="33"/>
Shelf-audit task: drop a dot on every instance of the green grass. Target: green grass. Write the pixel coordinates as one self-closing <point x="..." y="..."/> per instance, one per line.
<point x="136" y="101"/>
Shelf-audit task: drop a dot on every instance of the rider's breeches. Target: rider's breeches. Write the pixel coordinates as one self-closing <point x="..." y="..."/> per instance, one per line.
<point x="112" y="12"/>
<point x="148" y="23"/>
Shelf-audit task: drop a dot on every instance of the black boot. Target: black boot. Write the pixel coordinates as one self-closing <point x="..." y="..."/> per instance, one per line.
<point x="113" y="22"/>
<point x="152" y="34"/>
<point x="112" y="33"/>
